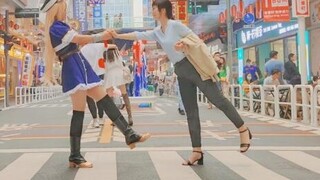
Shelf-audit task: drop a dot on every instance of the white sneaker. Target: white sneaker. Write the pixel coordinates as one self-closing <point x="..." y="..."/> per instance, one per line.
<point x="101" y="121"/>
<point x="95" y="123"/>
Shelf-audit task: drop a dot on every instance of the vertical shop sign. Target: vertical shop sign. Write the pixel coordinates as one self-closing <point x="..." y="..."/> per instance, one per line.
<point x="182" y="15"/>
<point x="26" y="70"/>
<point x="240" y="65"/>
<point x="80" y="13"/>
<point x="97" y="16"/>
<point x="300" y="8"/>
<point x="276" y="10"/>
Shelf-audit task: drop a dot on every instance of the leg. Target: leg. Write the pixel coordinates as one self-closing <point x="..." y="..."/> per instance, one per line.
<point x="188" y="92"/>
<point x="79" y="104"/>
<point x="127" y="103"/>
<point x="211" y="90"/>
<point x="93" y="110"/>
<point x="116" y="117"/>
<point x="100" y="112"/>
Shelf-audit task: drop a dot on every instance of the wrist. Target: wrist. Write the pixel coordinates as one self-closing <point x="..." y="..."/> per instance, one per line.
<point x="97" y="37"/>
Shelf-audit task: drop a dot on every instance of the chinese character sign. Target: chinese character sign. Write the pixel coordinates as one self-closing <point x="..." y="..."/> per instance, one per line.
<point x="276" y="10"/>
<point x="300" y="8"/>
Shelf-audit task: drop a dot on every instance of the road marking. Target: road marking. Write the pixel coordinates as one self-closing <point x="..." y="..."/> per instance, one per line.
<point x="214" y="135"/>
<point x="205" y="148"/>
<point x="302" y="159"/>
<point x="25" y="167"/>
<point x="244" y="166"/>
<point x="106" y="133"/>
<point x="165" y="162"/>
<point x="104" y="167"/>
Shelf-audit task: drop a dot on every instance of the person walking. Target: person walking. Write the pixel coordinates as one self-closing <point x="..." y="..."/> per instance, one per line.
<point x="78" y="78"/>
<point x="93" y="52"/>
<point x="174" y="37"/>
<point x="117" y="75"/>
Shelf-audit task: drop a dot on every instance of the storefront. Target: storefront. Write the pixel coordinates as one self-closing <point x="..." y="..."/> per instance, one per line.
<point x="20" y="67"/>
<point x="257" y="42"/>
<point x="313" y="25"/>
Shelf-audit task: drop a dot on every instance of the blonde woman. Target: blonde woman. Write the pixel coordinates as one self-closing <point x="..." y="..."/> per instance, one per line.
<point x="78" y="78"/>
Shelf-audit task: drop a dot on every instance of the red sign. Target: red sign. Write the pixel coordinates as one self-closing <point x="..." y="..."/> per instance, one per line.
<point x="301" y="8"/>
<point x="276" y="10"/>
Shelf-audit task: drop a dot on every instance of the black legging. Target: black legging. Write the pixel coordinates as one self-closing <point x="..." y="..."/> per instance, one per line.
<point x="189" y="79"/>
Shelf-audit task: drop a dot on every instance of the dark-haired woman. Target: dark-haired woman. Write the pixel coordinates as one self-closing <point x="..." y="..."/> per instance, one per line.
<point x="168" y="35"/>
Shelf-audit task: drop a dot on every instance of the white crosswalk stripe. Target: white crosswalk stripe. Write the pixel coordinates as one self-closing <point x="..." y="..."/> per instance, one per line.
<point x="44" y="106"/>
<point x="165" y="162"/>
<point x="106" y="166"/>
<point x="21" y="168"/>
<point x="301" y="158"/>
<point x="244" y="166"/>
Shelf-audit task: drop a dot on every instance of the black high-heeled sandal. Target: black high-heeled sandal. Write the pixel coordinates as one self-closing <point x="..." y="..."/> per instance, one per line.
<point x="246" y="145"/>
<point x="199" y="161"/>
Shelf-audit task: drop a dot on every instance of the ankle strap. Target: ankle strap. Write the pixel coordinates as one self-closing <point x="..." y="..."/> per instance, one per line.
<point x="243" y="130"/>
<point x="198" y="152"/>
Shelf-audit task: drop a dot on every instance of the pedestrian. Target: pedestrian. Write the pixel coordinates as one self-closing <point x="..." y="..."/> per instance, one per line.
<point x="78" y="78"/>
<point x="291" y="71"/>
<point x="224" y="75"/>
<point x="181" y="109"/>
<point x="117" y="75"/>
<point x="93" y="52"/>
<point x="272" y="64"/>
<point x="161" y="87"/>
<point x="172" y="36"/>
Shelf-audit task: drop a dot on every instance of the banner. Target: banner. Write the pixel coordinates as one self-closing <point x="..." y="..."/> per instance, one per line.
<point x="300" y="8"/>
<point x="276" y="10"/>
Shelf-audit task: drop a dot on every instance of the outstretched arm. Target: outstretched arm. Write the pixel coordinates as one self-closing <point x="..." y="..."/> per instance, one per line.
<point x="127" y="36"/>
<point x="85" y="39"/>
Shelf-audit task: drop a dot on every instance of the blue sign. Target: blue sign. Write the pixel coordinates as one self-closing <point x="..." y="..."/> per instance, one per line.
<point x="97" y="17"/>
<point x="248" y="18"/>
<point x="263" y="32"/>
<point x="80" y="13"/>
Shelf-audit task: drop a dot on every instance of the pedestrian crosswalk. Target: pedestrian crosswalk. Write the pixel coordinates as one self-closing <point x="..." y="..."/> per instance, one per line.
<point x="275" y="164"/>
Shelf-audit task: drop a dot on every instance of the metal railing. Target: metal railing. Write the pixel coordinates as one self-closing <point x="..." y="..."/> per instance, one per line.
<point x="300" y="103"/>
<point x="26" y="95"/>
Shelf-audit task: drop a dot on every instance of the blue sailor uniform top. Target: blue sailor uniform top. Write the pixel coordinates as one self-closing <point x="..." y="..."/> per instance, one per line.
<point x="77" y="74"/>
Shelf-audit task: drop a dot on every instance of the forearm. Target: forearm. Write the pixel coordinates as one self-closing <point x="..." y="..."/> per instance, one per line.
<point x="83" y="39"/>
<point x="127" y="36"/>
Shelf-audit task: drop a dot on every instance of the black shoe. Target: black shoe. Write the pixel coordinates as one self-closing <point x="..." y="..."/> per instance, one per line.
<point x="181" y="111"/>
<point x="199" y="161"/>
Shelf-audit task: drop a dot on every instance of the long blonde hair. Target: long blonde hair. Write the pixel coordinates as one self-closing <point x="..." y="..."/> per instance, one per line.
<point x="49" y="53"/>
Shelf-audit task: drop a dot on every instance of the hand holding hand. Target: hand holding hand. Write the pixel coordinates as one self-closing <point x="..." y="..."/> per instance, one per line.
<point x="106" y="35"/>
<point x="114" y="33"/>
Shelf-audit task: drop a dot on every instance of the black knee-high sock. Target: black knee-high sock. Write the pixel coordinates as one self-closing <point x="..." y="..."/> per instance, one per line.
<point x="92" y="107"/>
<point x="76" y="123"/>
<point x="109" y="107"/>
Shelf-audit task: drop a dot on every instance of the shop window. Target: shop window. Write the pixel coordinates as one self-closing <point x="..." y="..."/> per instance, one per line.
<point x="278" y="46"/>
<point x="250" y="53"/>
<point x="291" y="45"/>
